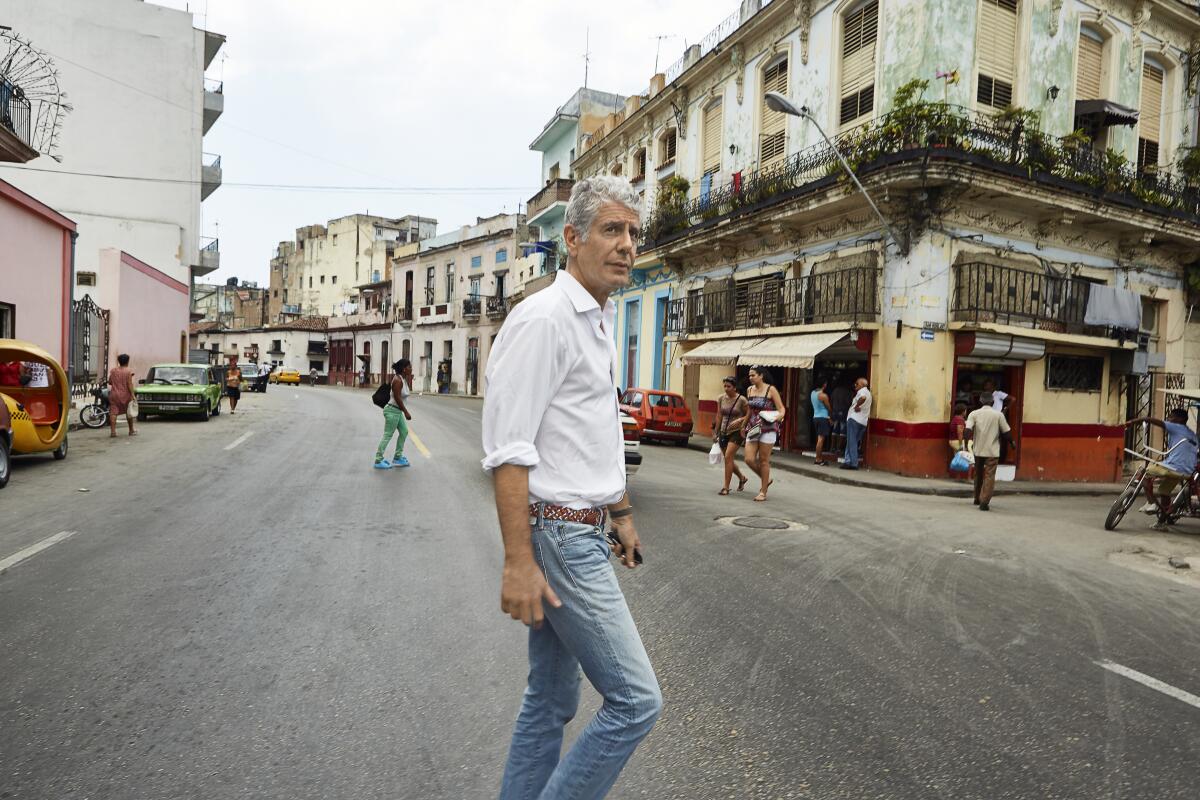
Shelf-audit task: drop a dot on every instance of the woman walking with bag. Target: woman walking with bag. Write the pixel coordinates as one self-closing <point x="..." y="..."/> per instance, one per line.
<point x="727" y="431"/>
<point x="396" y="416"/>
<point x="120" y="395"/>
<point x="766" y="411"/>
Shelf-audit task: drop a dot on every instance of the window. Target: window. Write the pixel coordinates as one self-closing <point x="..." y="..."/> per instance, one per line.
<point x="85" y="279"/>
<point x="713" y="122"/>
<point x="449" y="282"/>
<point x="860" y="33"/>
<point x="1089" y="69"/>
<point x="310" y="281"/>
<point x="8" y="321"/>
<point x="474" y="290"/>
<point x="275" y="293"/>
<point x="552" y="175"/>
<point x="430" y="277"/>
<point x="322" y="280"/>
<point x="772" y="139"/>
<point x="476" y="262"/>
<point x="317" y="365"/>
<point x="996" y="43"/>
<point x="502" y="255"/>
<point x="1150" y="120"/>
<point x="639" y="165"/>
<point x="1074" y="373"/>
<point x="666" y="148"/>
<point x="335" y="238"/>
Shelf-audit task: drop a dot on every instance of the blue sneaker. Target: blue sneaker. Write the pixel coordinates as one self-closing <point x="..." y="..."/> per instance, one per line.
<point x="401" y="462"/>
<point x="383" y="463"/>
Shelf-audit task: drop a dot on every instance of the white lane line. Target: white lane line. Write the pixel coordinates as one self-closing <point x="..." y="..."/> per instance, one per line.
<point x="239" y="440"/>
<point x="1153" y="683"/>
<point x="34" y="549"/>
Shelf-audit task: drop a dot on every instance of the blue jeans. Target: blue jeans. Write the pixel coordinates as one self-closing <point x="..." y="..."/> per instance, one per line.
<point x="854" y="436"/>
<point x="595" y="631"/>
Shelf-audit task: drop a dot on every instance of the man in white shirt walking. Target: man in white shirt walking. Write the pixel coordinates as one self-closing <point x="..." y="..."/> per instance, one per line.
<point x="985" y="426"/>
<point x="553" y="443"/>
<point x="856" y="424"/>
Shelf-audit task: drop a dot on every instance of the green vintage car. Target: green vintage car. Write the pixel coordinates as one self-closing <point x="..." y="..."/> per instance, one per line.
<point x="173" y="389"/>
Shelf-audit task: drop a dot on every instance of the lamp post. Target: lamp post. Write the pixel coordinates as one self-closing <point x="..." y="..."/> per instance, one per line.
<point x="777" y="102"/>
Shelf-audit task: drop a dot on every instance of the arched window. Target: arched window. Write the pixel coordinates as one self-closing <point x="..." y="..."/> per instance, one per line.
<point x="1154" y="78"/>
<point x="772" y="137"/>
<point x="712" y="134"/>
<point x="639" y="165"/>
<point x="860" y="35"/>
<point x="996" y="44"/>
<point x="1089" y="66"/>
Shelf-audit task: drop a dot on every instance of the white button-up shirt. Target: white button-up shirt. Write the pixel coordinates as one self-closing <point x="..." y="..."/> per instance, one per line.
<point x="552" y="399"/>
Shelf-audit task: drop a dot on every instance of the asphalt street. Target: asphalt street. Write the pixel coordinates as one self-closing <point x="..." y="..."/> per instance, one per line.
<point x="244" y="608"/>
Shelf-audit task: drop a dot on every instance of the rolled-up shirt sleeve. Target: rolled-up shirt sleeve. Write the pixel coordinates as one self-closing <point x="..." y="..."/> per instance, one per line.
<point x="525" y="370"/>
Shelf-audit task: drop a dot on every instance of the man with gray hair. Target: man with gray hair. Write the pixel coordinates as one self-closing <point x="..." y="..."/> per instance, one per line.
<point x="985" y="427"/>
<point x="553" y="443"/>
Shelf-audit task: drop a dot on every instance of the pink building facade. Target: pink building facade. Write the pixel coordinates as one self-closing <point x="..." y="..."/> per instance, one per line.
<point x="35" y="272"/>
<point x="148" y="311"/>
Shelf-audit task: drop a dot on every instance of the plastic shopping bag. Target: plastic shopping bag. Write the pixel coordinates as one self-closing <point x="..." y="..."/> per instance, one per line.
<point x="961" y="462"/>
<point x="715" y="456"/>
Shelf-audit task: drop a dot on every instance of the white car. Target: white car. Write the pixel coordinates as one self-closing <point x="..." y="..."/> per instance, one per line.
<point x="633" y="444"/>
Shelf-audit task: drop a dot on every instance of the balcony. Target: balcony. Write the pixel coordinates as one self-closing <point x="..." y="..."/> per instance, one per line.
<point x="210" y="174"/>
<point x="942" y="145"/>
<point x="212" y="45"/>
<point x="847" y="295"/>
<point x="988" y="293"/>
<point x="497" y="307"/>
<point x="214" y="102"/>
<point x="317" y="348"/>
<point x="550" y="203"/>
<point x="210" y="257"/>
<point x="471" y="308"/>
<point x="16" y="114"/>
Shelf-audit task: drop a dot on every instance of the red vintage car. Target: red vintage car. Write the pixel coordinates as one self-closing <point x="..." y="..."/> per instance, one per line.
<point x="662" y="416"/>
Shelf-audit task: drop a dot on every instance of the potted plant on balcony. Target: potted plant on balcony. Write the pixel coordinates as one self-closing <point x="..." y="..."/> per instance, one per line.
<point x="1189" y="167"/>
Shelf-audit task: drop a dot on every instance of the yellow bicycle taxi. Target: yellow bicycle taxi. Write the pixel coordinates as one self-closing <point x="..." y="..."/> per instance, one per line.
<point x="38" y="413"/>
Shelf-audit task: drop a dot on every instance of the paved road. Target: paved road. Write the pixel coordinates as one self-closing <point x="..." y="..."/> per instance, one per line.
<point x="246" y="610"/>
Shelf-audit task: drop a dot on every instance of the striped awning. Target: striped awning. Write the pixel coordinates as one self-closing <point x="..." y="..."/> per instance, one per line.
<point x="798" y="352"/>
<point x="718" y="353"/>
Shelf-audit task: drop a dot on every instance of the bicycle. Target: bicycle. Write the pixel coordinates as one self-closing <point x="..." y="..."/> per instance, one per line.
<point x="1181" y="502"/>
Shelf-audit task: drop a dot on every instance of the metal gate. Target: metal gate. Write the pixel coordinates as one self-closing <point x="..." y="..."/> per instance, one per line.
<point x="89" y="346"/>
<point x="1143" y="399"/>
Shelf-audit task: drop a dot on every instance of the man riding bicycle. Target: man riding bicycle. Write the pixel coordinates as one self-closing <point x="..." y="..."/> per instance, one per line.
<point x="1178" y="465"/>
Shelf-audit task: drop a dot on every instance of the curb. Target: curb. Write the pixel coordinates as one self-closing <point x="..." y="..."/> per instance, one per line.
<point x="835" y="476"/>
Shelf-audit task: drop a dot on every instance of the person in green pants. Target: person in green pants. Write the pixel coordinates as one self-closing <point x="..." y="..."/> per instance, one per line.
<point x="396" y="416"/>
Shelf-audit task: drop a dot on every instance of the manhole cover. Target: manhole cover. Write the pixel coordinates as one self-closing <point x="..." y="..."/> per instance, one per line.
<point x="762" y="523"/>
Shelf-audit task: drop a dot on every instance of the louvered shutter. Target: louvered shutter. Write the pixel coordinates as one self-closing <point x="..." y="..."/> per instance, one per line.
<point x="773" y="138"/>
<point x="1090" y="68"/>
<point x="860" y="31"/>
<point x="1150" y="119"/>
<point x="997" y="46"/>
<point x="712" y="137"/>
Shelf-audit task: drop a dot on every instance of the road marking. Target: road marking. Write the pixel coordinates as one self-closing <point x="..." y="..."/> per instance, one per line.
<point x="239" y="440"/>
<point x="1153" y="683"/>
<point x="34" y="549"/>
<point x="468" y="410"/>
<point x="412" y="437"/>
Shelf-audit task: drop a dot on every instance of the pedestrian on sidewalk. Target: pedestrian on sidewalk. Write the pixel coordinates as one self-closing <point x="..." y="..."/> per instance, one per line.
<point x="233" y="385"/>
<point x="312" y="376"/>
<point x="821" y="407"/>
<point x="839" y="406"/>
<point x="1178" y="465"/>
<point x="396" y="417"/>
<point x="552" y="442"/>
<point x="762" y="431"/>
<point x="727" y="431"/>
<point x="857" y="419"/>
<point x="985" y="427"/>
<point x="958" y="425"/>
<point x="120" y="395"/>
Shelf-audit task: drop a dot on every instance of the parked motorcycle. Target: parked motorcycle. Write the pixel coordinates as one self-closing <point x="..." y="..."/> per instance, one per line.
<point x="96" y="414"/>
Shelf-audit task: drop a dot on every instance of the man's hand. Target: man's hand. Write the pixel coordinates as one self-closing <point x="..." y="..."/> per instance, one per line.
<point x="407" y="415"/>
<point x="630" y="542"/>
<point x="522" y="590"/>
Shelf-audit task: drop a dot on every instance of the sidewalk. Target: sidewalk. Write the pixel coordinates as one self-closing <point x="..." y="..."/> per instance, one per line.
<point x="890" y="482"/>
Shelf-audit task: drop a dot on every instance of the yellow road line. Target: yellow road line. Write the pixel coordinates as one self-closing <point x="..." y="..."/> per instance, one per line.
<point x="412" y="437"/>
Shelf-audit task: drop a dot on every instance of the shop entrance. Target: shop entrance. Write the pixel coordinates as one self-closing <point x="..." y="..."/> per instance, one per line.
<point x="974" y="377"/>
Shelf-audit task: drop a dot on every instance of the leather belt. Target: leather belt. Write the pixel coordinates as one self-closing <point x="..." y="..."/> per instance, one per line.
<point x="586" y="516"/>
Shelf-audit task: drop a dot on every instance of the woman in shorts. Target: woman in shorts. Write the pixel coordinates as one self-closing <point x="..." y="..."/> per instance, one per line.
<point x="762" y="433"/>
<point x="727" y="431"/>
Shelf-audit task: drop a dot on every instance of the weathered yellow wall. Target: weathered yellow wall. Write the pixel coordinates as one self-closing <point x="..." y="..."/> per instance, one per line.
<point x="911" y="378"/>
<point x="1076" y="408"/>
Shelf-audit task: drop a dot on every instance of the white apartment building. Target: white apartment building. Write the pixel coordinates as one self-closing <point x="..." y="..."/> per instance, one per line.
<point x="318" y="273"/>
<point x="134" y="73"/>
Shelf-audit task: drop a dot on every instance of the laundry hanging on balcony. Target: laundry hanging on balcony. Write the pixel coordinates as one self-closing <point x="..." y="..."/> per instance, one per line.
<point x="1112" y="307"/>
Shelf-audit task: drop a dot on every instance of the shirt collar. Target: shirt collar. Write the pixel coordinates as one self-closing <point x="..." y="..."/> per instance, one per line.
<point x="579" y="296"/>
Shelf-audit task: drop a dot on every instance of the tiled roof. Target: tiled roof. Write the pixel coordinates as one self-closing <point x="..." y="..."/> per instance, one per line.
<point x="304" y="324"/>
<point x="207" y="326"/>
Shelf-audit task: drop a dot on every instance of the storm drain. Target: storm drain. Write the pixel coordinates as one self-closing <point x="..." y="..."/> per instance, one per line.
<point x="762" y="523"/>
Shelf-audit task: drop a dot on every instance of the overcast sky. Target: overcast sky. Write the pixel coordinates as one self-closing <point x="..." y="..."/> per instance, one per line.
<point x="441" y="95"/>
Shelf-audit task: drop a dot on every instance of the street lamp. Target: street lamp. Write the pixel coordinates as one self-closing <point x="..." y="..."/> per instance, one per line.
<point x="777" y="102"/>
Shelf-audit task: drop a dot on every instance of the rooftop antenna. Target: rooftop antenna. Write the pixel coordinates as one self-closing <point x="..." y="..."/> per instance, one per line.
<point x="587" y="55"/>
<point x="658" y="47"/>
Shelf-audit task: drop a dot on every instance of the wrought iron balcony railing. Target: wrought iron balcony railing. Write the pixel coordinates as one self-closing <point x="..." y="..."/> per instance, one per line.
<point x="929" y="131"/>
<point x="15" y="110"/>
<point x="404" y="314"/>
<point x="472" y="306"/>
<point x="1012" y="296"/>
<point x="847" y="295"/>
<point x="497" y="307"/>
